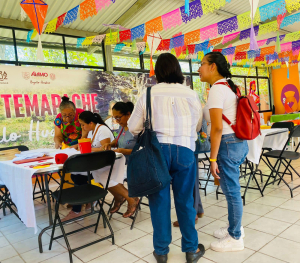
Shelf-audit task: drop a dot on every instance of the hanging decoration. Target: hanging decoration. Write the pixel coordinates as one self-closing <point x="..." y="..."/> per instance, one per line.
<point x="111" y="38"/>
<point x="36" y="11"/>
<point x="171" y="19"/>
<point x="153" y="41"/>
<point x="87" y="9"/>
<point x="195" y="10"/>
<point x="138" y="32"/>
<point x="141" y="46"/>
<point x="29" y="35"/>
<point x="292" y="36"/>
<point x="241" y="48"/>
<point x="209" y="32"/>
<point x="88" y="41"/>
<point x="125" y="35"/>
<point x="119" y="47"/>
<point x="296" y="47"/>
<point x="230" y="37"/>
<point x="60" y="20"/>
<point x="187" y="7"/>
<point x="153" y="26"/>
<point x="98" y="39"/>
<point x="267" y="28"/>
<point x="215" y="41"/>
<point x="273" y="9"/>
<point x="71" y="15"/>
<point x="261" y="43"/>
<point x="192" y="37"/>
<point x="244" y="20"/>
<point x="164" y="45"/>
<point x="290" y="20"/>
<point x="51" y="26"/>
<point x="246" y="33"/>
<point x="101" y="4"/>
<point x="292" y="5"/>
<point x="209" y="6"/>
<point x="176" y="41"/>
<point x="228" y="25"/>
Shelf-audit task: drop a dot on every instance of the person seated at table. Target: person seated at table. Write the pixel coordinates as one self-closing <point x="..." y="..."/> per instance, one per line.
<point x="67" y="127"/>
<point x="110" y="121"/>
<point x="125" y="142"/>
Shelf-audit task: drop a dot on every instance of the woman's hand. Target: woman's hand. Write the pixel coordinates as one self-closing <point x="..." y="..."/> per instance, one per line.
<point x="214" y="170"/>
<point x="106" y="146"/>
<point x="119" y="150"/>
<point x="58" y="145"/>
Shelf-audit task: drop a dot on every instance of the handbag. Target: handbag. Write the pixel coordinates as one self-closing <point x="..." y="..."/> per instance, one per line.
<point x="147" y="170"/>
<point x="202" y="143"/>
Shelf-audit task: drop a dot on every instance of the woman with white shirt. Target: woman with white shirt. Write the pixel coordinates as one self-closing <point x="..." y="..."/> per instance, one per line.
<point x="100" y="135"/>
<point x="176" y="118"/>
<point x="227" y="151"/>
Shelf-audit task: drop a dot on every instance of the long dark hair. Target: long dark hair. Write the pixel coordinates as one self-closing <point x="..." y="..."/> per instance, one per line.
<point x="88" y="117"/>
<point x="66" y="103"/>
<point x="124" y="107"/>
<point x="223" y="67"/>
<point x="167" y="69"/>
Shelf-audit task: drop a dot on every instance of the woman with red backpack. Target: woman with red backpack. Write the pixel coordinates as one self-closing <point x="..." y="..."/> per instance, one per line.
<point x="227" y="151"/>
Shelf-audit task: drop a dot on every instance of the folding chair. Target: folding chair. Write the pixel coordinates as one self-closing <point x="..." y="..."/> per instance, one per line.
<point x="206" y="167"/>
<point x="288" y="125"/>
<point x="283" y="158"/>
<point x="5" y="200"/>
<point x="133" y="217"/>
<point x="81" y="194"/>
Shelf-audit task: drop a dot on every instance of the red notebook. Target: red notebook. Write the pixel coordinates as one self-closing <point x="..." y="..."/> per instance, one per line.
<point x="33" y="160"/>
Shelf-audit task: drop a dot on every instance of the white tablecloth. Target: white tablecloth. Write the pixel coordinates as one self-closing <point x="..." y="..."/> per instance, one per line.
<point x="276" y="139"/>
<point x="17" y="178"/>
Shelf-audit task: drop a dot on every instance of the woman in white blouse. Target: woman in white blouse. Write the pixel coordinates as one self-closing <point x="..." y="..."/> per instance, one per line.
<point x="100" y="134"/>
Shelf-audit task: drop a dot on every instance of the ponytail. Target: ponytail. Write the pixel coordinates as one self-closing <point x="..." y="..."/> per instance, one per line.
<point x="223" y="67"/>
<point x="88" y="117"/>
<point x="124" y="107"/>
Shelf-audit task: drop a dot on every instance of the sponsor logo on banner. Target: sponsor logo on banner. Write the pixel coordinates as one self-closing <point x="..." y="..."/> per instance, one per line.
<point x="52" y="76"/>
<point x="3" y="77"/>
<point x="26" y="75"/>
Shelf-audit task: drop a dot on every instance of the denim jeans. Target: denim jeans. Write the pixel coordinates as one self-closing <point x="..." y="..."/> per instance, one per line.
<point x="182" y="168"/>
<point x="232" y="153"/>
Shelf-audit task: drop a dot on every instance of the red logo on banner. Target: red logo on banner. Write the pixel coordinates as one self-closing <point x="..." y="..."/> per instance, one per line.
<point x="26" y="75"/>
<point x="52" y="76"/>
<point x="39" y="74"/>
<point x="3" y="75"/>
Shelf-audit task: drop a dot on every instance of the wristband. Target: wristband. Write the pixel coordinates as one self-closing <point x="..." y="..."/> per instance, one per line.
<point x="212" y="160"/>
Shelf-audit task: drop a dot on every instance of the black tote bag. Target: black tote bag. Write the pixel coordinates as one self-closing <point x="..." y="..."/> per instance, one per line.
<point x="147" y="170"/>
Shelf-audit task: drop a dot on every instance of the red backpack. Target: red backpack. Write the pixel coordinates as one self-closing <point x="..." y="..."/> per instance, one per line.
<point x="247" y="125"/>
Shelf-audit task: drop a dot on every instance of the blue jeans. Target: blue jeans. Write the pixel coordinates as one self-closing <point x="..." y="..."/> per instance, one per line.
<point x="182" y="168"/>
<point x="232" y="153"/>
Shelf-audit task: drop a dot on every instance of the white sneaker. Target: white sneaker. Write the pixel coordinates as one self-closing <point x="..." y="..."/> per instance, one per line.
<point x="223" y="232"/>
<point x="227" y="244"/>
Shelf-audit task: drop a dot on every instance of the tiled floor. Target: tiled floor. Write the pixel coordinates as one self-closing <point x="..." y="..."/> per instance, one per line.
<point x="272" y="227"/>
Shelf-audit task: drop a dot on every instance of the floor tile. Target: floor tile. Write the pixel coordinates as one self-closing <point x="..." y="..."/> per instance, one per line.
<point x="229" y="257"/>
<point x="270" y="226"/>
<point x="283" y="249"/>
<point x="145" y="225"/>
<point x="292" y="233"/>
<point x="115" y="224"/>
<point x="15" y="259"/>
<point x="280" y="193"/>
<point x="291" y="205"/>
<point x="7" y="252"/>
<point x="21" y="235"/>
<point x="258" y="209"/>
<point x="96" y="250"/>
<point x="3" y="242"/>
<point x="216" y="211"/>
<point x="140" y="247"/>
<point x="270" y="200"/>
<point x="34" y="256"/>
<point x="118" y="255"/>
<point x="205" y="220"/>
<point x="285" y="215"/>
<point x="30" y="243"/>
<point x="261" y="258"/>
<point x="255" y="240"/>
<point x="10" y="229"/>
<point x="140" y="217"/>
<point x="126" y="236"/>
<point x="62" y="258"/>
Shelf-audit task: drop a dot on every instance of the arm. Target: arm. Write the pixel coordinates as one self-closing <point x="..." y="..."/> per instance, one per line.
<point x="136" y="121"/>
<point x="84" y="134"/>
<point x="108" y="146"/>
<point x="103" y="142"/>
<point x="123" y="151"/>
<point x="215" y="138"/>
<point x="58" y="137"/>
<point x="199" y="125"/>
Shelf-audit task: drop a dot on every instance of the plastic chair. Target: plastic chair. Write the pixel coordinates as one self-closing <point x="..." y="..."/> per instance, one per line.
<point x="81" y="194"/>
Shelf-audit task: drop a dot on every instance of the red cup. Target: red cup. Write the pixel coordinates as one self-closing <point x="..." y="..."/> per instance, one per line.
<point x="85" y="145"/>
<point x="60" y="158"/>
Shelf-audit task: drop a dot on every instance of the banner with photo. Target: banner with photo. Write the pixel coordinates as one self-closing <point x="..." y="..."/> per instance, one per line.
<point x="30" y="98"/>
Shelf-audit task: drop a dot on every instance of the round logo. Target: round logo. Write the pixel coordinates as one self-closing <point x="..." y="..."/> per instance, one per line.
<point x="290" y="98"/>
<point x="52" y="76"/>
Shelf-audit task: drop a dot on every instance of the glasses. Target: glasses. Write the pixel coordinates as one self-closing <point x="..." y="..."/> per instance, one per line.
<point x="202" y="63"/>
<point x="68" y="116"/>
<point x="118" y="118"/>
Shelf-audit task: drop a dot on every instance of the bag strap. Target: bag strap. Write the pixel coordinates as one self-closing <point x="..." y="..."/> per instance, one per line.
<point x="95" y="133"/>
<point x="148" y="124"/>
<point x="119" y="136"/>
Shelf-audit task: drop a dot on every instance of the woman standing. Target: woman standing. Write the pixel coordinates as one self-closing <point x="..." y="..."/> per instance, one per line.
<point x="176" y="117"/>
<point x="67" y="127"/>
<point x="227" y="151"/>
<point x="124" y="143"/>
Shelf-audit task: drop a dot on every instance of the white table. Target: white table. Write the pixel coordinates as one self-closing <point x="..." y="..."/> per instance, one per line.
<point x="18" y="180"/>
